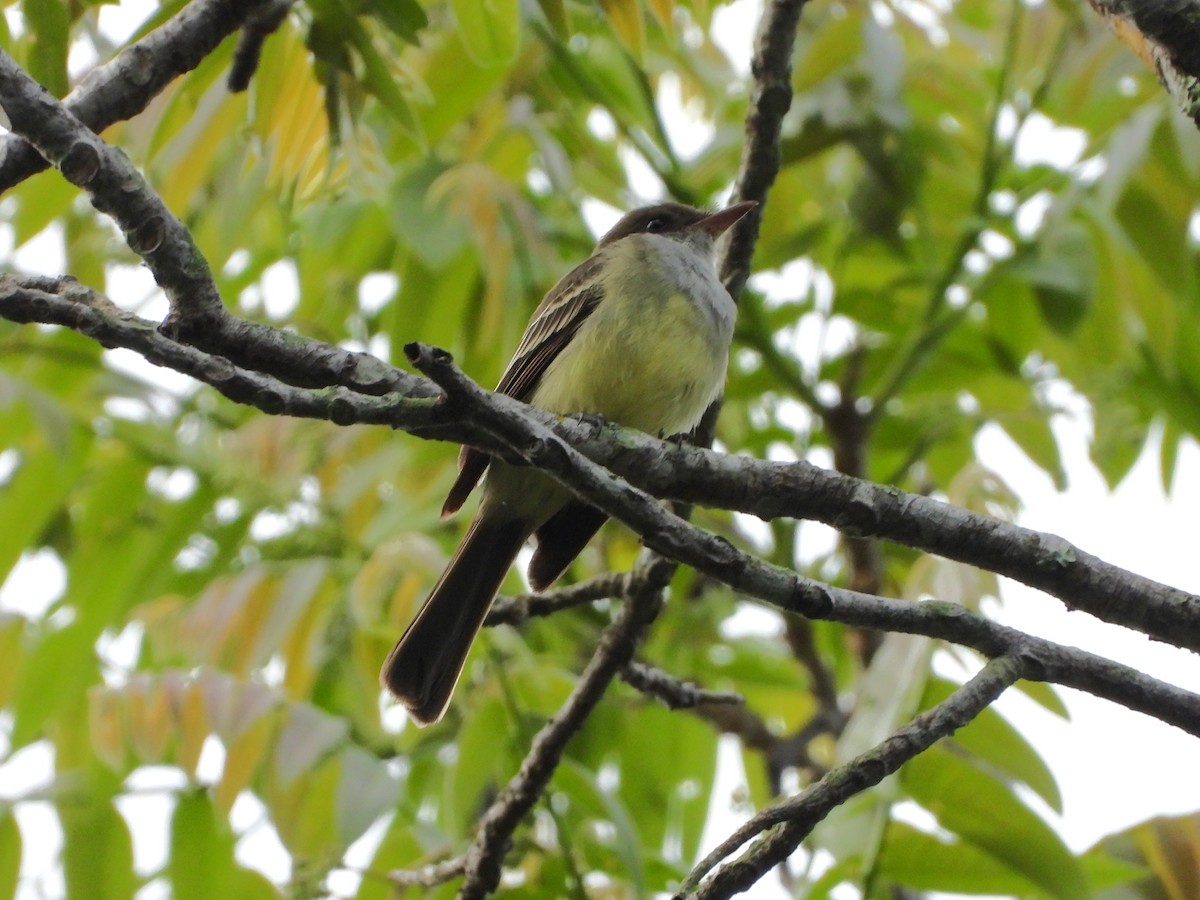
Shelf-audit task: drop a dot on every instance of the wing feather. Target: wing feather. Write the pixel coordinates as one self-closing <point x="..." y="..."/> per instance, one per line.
<point x="555" y="321"/>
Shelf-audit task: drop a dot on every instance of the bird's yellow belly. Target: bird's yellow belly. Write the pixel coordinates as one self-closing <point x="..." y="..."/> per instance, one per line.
<point x="656" y="371"/>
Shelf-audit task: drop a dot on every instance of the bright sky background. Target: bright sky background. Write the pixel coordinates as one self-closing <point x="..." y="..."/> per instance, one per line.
<point x="1115" y="768"/>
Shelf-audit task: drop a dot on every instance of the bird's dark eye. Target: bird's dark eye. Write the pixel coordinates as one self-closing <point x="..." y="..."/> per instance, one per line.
<point x="656" y="224"/>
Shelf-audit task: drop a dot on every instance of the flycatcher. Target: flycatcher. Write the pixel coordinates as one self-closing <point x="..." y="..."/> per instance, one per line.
<point x="638" y="333"/>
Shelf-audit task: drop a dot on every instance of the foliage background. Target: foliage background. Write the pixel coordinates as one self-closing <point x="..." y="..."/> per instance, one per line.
<point x="402" y="171"/>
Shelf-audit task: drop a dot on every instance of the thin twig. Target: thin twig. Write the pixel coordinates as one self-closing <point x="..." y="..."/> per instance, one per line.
<point x="517" y="610"/>
<point x="674" y="693"/>
<point x="797" y="816"/>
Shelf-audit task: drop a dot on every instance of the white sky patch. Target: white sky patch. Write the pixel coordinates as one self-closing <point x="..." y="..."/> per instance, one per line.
<point x="172" y="483"/>
<point x="688" y="133"/>
<point x="599" y="216"/>
<point x="376" y="290"/>
<point x="236" y="264"/>
<point x="733" y="28"/>
<point x="119" y="21"/>
<point x="600" y="123"/>
<point x="1042" y="141"/>
<point x="280" y="289"/>
<point x="169" y="385"/>
<point x="147" y="806"/>
<point x="27" y="771"/>
<point x="44" y="253"/>
<point x="643" y="180"/>
<point x="259" y="847"/>
<point x="9" y="460"/>
<point x="132" y="286"/>
<point x="1032" y="213"/>
<point x="345" y="882"/>
<point x="120" y="651"/>
<point x="34" y="584"/>
<point x="8" y="234"/>
<point x="1139" y="528"/>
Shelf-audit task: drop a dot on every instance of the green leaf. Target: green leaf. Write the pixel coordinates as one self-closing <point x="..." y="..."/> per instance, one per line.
<point x="50" y="27"/>
<point x="990" y="738"/>
<point x="97" y="851"/>
<point x="923" y="862"/>
<point x="490" y="29"/>
<point x="404" y="17"/>
<point x="10" y="852"/>
<point x="985" y="813"/>
<point x="201" y="866"/>
<point x="366" y="792"/>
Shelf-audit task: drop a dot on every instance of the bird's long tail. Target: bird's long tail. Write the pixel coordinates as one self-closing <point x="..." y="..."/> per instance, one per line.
<point x="424" y="666"/>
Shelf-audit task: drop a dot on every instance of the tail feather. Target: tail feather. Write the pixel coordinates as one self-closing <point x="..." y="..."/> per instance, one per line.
<point x="423" y="667"/>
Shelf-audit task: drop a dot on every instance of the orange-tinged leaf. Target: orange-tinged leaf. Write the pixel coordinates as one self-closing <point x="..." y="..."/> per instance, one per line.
<point x="625" y="17"/>
<point x="106" y="725"/>
<point x="151" y="727"/>
<point x="301" y="655"/>
<point x="253" y="701"/>
<point x="189" y="707"/>
<point x="243" y="756"/>
<point x="664" y="11"/>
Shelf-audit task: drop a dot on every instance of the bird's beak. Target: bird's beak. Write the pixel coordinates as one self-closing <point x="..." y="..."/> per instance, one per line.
<point x="720" y="222"/>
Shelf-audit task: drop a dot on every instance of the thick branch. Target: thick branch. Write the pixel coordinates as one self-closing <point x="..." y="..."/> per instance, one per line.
<point x="668" y="534"/>
<point x="765" y="489"/>
<point x="197" y="314"/>
<point x="770" y="100"/>
<point x="122" y="87"/>
<point x="117" y="188"/>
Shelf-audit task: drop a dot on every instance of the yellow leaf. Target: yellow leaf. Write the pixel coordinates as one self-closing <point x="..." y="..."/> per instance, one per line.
<point x="242" y="758"/>
<point x="188" y="708"/>
<point x="664" y="11"/>
<point x="106" y="724"/>
<point x="150" y="725"/>
<point x="625" y="17"/>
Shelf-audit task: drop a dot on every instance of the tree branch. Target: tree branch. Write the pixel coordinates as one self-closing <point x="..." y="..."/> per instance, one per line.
<point x="671" y="536"/>
<point x="517" y="610"/>
<point x="122" y="87"/>
<point x="798" y="815"/>
<point x="765" y="489"/>
<point x="673" y="693"/>
<point x="482" y="862"/>
<point x="770" y="100"/>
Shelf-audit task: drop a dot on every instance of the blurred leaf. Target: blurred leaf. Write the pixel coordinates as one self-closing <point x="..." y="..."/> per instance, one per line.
<point x="405" y="17"/>
<point x="49" y="27"/>
<point x="97" y="851"/>
<point x="491" y="29"/>
<point x="201" y="864"/>
<point x="991" y="739"/>
<point x="923" y="862"/>
<point x="10" y="852"/>
<point x="985" y="813"/>
<point x="625" y="17"/>
<point x="1159" y="857"/>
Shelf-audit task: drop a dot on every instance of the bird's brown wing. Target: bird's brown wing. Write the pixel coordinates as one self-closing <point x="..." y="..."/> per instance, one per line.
<point x="554" y="323"/>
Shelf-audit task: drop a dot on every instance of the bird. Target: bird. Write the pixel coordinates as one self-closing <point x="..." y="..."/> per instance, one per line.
<point x="639" y="334"/>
